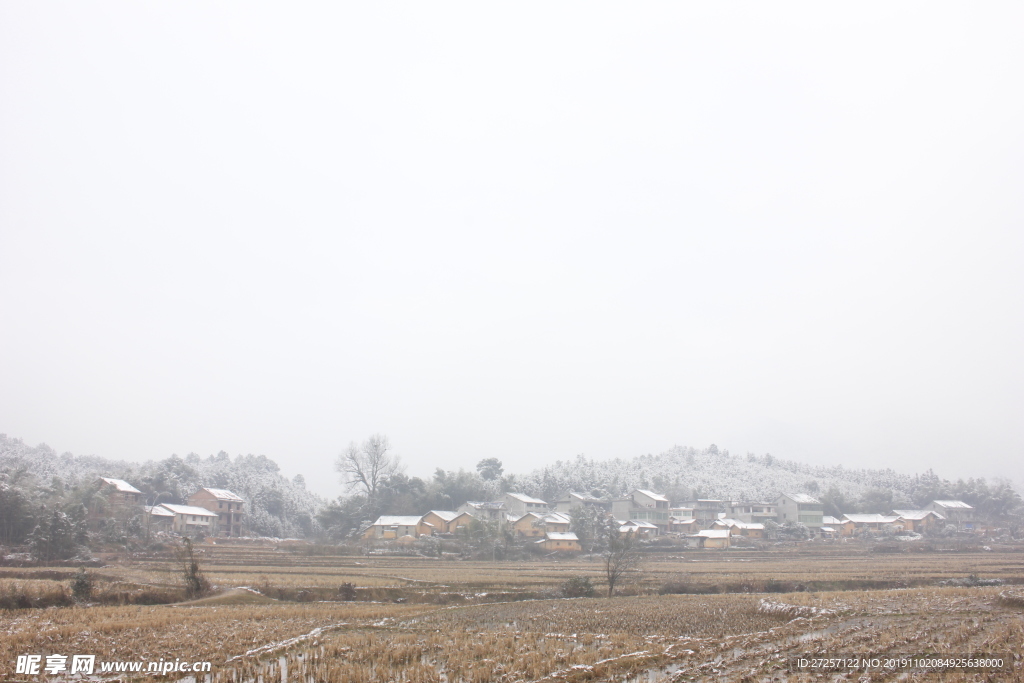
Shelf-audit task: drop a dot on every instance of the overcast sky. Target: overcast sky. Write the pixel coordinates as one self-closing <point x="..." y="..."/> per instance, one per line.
<point x="519" y="230"/>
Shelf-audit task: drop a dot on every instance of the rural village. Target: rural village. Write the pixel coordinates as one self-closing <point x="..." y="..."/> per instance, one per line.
<point x="564" y="525"/>
<point x="633" y="587"/>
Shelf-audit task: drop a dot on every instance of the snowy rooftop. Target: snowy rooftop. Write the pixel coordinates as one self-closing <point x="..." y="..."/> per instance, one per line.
<point x="556" y="518"/>
<point x="121" y="485"/>
<point x="397" y="520"/>
<point x="953" y="504"/>
<point x="486" y="505"/>
<point x="446" y="515"/>
<point x="224" y="494"/>
<point x="713" y="533"/>
<point x="802" y="498"/>
<point x="158" y="511"/>
<point x="916" y="515"/>
<point x="652" y="495"/>
<point x="515" y="516"/>
<point x="188" y="510"/>
<point x="739" y="524"/>
<point x="582" y="496"/>
<point x="635" y="524"/>
<point x="561" y="536"/>
<point x="873" y="518"/>
<point x="523" y="498"/>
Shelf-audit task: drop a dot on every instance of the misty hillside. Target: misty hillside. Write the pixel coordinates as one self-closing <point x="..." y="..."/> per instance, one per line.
<point x="284" y="508"/>
<point x="687" y="472"/>
<point x="684" y="473"/>
<point x="277" y="506"/>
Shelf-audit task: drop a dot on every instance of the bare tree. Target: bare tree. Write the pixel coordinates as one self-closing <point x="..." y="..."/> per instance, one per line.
<point x="368" y="466"/>
<point x="621" y="554"/>
<point x="196" y="584"/>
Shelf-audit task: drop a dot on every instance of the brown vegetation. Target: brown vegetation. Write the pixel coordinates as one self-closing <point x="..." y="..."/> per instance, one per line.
<point x="468" y="621"/>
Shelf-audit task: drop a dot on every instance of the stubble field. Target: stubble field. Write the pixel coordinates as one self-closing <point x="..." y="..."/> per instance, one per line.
<point x="419" y="619"/>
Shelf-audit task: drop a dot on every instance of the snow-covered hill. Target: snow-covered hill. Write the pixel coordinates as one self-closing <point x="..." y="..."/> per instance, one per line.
<point x="277" y="506"/>
<point x="685" y="473"/>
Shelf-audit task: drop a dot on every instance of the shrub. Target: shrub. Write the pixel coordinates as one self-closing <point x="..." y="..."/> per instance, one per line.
<point x="196" y="585"/>
<point x="24" y="596"/>
<point x="1012" y="599"/>
<point x="81" y="585"/>
<point x="578" y="587"/>
<point x="347" y="592"/>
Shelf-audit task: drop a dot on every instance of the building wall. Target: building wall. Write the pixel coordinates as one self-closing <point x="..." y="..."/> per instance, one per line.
<point x="808" y="514"/>
<point x="565" y="546"/>
<point x="229" y="513"/>
<point x="754" y="513"/>
<point x="957" y="516"/>
<point x="641" y="508"/>
<point x="189" y="524"/>
<point x="440" y="524"/>
<point x="706" y="511"/>
<point x="518" y="507"/>
<point x="392" y="531"/>
<point x="526" y="527"/>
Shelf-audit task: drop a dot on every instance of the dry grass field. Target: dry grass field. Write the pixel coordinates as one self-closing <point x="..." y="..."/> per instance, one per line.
<point x="430" y="620"/>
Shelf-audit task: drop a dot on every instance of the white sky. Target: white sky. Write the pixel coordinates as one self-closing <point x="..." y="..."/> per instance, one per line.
<point x="520" y="230"/>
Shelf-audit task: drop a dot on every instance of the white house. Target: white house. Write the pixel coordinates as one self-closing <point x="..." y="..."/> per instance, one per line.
<point x="564" y="541"/>
<point x="397" y="526"/>
<point x="710" y="538"/>
<point x="800" y="507"/>
<point x="956" y="512"/>
<point x="643" y="506"/>
<point x="489" y="511"/>
<point x="519" y="504"/>
<point x="189" y="519"/>
<point x="572" y="500"/>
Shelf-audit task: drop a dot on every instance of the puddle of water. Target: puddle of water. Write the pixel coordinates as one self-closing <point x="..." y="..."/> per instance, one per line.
<point x="658" y="675"/>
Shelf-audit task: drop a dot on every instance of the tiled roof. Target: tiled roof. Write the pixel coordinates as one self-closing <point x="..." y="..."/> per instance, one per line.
<point x="713" y="533"/>
<point x="916" y="515"/>
<point x="523" y="498"/>
<point x="872" y="518"/>
<point x="802" y="498"/>
<point x="187" y="510"/>
<point x="651" y="494"/>
<point x="397" y="520"/>
<point x="486" y="505"/>
<point x="121" y="485"/>
<point x="953" y="504"/>
<point x="224" y="494"/>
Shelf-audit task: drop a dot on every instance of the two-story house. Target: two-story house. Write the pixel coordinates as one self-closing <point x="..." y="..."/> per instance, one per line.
<point x="706" y="510"/>
<point x="519" y="504"/>
<point x="956" y="512"/>
<point x="226" y="504"/>
<point x="802" y="508"/>
<point x="191" y="520"/>
<point x="571" y="501"/>
<point x="752" y="511"/>
<point x="643" y="506"/>
<point x="485" y="511"/>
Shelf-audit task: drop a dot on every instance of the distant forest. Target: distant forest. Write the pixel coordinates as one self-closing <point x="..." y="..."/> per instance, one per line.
<point x="36" y="478"/>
